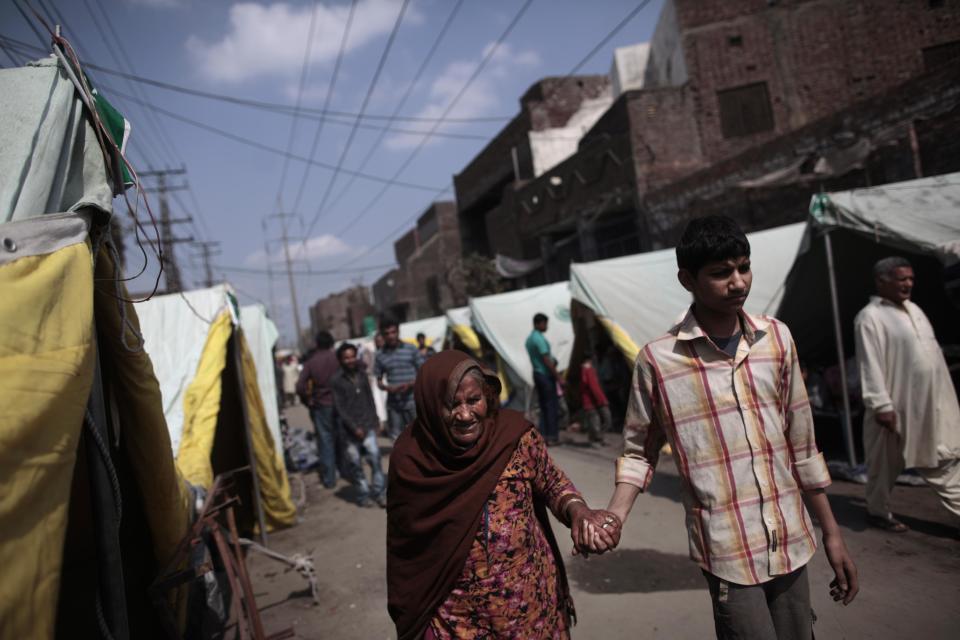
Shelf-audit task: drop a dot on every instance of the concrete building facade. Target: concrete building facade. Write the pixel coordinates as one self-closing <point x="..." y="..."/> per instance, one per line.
<point x="343" y="313"/>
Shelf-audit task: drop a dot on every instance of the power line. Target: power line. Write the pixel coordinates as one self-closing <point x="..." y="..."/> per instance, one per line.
<point x="260" y="104"/>
<point x="326" y="102"/>
<point x="304" y="71"/>
<point x="491" y="50"/>
<point x="586" y="58"/>
<point x="327" y="272"/>
<point x="268" y="148"/>
<point x="403" y="100"/>
<point x="363" y="107"/>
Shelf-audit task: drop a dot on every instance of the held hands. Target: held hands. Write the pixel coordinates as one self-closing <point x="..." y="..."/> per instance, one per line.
<point x="846" y="584"/>
<point x="887" y="419"/>
<point x="593" y="530"/>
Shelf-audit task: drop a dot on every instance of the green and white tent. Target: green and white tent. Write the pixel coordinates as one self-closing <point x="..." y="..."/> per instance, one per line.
<point x="637" y="298"/>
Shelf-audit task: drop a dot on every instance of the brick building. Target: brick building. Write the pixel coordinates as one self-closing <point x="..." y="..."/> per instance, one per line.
<point x="343" y="313"/>
<point x="428" y="279"/>
<point x="725" y="84"/>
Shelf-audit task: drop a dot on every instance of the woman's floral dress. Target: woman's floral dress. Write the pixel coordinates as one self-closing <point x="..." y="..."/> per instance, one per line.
<point x="508" y="588"/>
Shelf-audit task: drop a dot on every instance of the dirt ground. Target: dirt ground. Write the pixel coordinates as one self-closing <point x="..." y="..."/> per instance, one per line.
<point x="648" y="588"/>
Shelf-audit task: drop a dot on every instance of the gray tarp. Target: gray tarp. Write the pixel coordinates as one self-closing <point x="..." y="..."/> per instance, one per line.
<point x="51" y="160"/>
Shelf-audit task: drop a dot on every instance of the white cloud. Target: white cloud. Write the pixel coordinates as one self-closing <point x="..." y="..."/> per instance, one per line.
<point x="316" y="248"/>
<point x="480" y="99"/>
<point x="269" y="40"/>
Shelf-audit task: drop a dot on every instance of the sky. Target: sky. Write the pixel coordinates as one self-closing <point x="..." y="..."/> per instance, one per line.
<point x="450" y="96"/>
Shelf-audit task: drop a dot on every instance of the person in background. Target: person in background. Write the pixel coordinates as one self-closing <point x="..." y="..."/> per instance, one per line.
<point x="313" y="387"/>
<point x="596" y="409"/>
<point x="359" y="424"/>
<point x="911" y="418"/>
<point x="395" y="368"/>
<point x="291" y="372"/>
<point x="545" y="379"/>
<point x="724" y="389"/>
<point x="422" y="347"/>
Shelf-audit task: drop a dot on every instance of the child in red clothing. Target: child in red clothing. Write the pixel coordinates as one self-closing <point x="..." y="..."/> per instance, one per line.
<point x="596" y="409"/>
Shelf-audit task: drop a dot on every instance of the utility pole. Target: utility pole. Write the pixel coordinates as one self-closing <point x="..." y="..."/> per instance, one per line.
<point x="285" y="239"/>
<point x="171" y="269"/>
<point x="266" y="257"/>
<point x="208" y="249"/>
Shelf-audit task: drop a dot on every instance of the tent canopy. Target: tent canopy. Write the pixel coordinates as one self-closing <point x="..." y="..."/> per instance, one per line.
<point x="190" y="337"/>
<point x="261" y="334"/>
<point x="917" y="219"/>
<point x="638" y="298"/>
<point x="435" y="329"/>
<point x="506" y="319"/>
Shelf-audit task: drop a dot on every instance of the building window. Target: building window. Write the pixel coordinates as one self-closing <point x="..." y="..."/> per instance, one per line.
<point x="735" y="41"/>
<point x="745" y="110"/>
<point x="941" y="55"/>
<point x="433" y="294"/>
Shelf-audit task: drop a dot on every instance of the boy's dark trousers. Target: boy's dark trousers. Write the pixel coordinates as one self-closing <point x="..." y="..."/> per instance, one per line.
<point x="775" y="610"/>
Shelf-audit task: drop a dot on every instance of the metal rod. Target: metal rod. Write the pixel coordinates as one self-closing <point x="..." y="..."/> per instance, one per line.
<point x="110" y="590"/>
<point x="248" y="437"/>
<point x="841" y="359"/>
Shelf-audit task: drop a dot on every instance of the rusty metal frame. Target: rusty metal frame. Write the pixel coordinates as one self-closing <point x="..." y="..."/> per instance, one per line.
<point x="216" y="519"/>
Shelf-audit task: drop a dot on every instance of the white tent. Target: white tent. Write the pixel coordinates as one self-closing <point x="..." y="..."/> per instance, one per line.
<point x="506" y="320"/>
<point x="261" y="334"/>
<point x="435" y="329"/>
<point x="638" y="297"/>
<point x="847" y="232"/>
<point x="187" y="316"/>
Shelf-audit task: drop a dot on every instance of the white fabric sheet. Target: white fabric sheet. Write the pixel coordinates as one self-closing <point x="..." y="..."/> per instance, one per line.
<point x="174" y="333"/>
<point x="435" y="329"/>
<point x="506" y="319"/>
<point x="641" y="293"/>
<point x="261" y="335"/>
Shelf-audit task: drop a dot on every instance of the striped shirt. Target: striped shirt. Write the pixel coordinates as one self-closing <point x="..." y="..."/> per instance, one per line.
<point x="741" y="431"/>
<point x="399" y="365"/>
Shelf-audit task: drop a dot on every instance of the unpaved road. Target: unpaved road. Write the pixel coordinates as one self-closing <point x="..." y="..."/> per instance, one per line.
<point x="648" y="588"/>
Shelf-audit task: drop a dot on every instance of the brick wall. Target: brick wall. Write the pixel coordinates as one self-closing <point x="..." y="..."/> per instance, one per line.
<point x="342" y="313"/>
<point x="815" y="56"/>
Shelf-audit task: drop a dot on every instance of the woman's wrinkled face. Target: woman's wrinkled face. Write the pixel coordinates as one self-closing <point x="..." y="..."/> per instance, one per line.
<point x="464" y="416"/>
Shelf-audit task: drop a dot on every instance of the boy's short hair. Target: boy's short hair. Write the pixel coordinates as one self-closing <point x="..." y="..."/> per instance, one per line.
<point x="539" y="317"/>
<point x="324" y="340"/>
<point x="343" y="348"/>
<point x="709" y="239"/>
<point x="388" y="321"/>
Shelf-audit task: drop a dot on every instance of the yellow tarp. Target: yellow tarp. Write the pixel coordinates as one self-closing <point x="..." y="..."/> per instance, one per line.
<point x="144" y="436"/>
<point x="621" y="339"/>
<point x="201" y="407"/>
<point x="46" y="365"/>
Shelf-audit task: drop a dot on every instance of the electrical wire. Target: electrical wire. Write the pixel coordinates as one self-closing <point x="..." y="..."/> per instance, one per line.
<point x="304" y="72"/>
<point x="363" y="107"/>
<point x="260" y="104"/>
<point x="326" y="102"/>
<point x="315" y="272"/>
<point x="491" y="50"/>
<point x="264" y="147"/>
<point x="403" y="99"/>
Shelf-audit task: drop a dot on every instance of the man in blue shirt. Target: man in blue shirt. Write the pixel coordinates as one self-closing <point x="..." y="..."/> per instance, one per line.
<point x="399" y="362"/>
<point x="545" y="379"/>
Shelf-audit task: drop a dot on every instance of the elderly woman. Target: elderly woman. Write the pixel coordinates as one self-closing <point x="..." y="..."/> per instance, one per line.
<point x="470" y="551"/>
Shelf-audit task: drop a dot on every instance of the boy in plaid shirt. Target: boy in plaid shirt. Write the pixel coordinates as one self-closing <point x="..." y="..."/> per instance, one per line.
<point x="724" y="389"/>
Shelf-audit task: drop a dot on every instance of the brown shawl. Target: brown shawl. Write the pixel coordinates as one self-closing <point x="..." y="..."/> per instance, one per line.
<point x="436" y="493"/>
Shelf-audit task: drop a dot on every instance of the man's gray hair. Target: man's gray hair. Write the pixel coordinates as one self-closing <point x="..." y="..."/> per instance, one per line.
<point x="883" y="268"/>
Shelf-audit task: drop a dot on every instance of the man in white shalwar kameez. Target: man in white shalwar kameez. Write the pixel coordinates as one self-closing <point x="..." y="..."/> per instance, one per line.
<point x="912" y="417"/>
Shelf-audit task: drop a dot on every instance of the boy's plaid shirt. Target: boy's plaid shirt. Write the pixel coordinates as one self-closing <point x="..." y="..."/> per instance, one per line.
<point x="742" y="437"/>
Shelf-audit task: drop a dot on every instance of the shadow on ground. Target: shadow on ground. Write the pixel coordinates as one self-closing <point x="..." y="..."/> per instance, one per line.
<point x="635" y="571"/>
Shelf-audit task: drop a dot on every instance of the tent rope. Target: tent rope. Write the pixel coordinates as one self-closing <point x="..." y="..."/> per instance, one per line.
<point x="125" y="323"/>
<point x="104" y="451"/>
<point x="303" y="563"/>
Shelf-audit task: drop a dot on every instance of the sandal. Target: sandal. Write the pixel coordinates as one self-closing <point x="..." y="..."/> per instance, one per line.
<point x="890" y="524"/>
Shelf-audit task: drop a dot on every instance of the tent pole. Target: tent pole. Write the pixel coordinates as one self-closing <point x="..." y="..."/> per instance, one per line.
<point x="841" y="359"/>
<point x="248" y="437"/>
